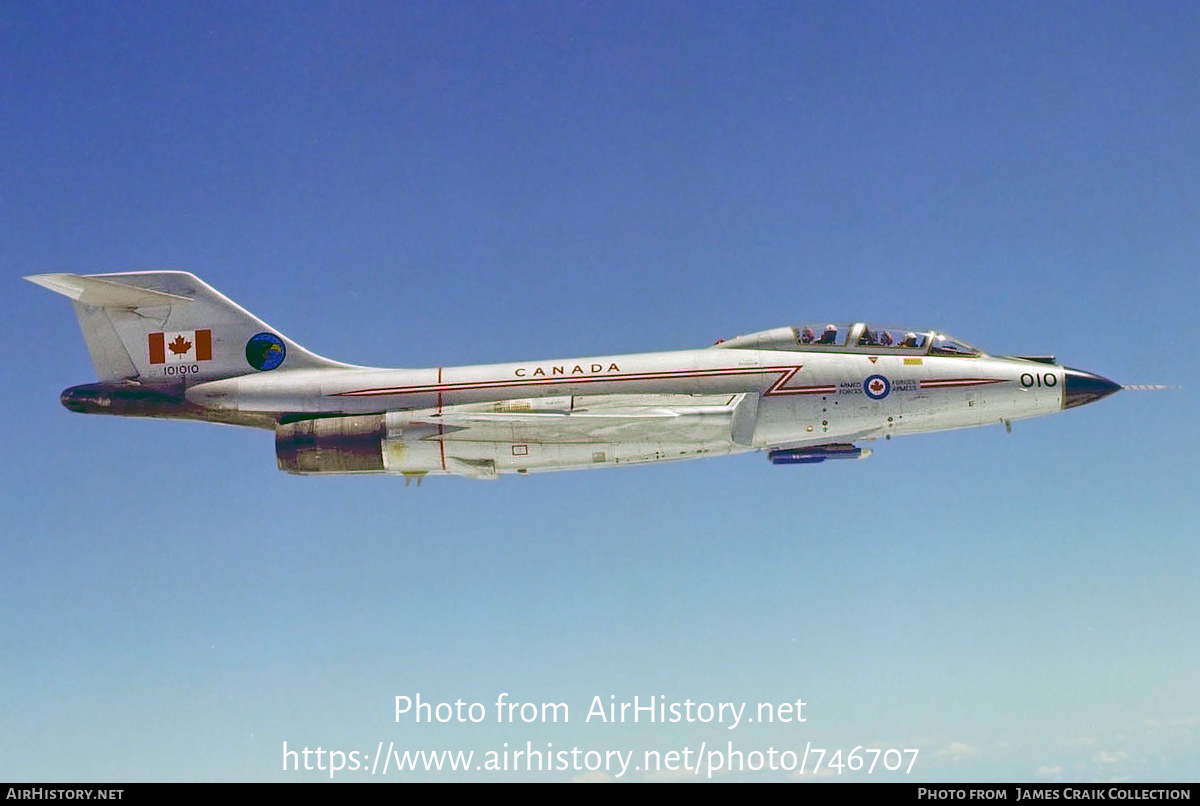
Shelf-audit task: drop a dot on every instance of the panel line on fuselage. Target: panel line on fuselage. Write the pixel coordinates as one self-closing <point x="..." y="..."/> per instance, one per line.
<point x="943" y="383"/>
<point x="441" y="427"/>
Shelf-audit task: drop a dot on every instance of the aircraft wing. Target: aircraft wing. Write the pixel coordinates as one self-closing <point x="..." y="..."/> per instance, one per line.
<point x="591" y="419"/>
<point x="842" y="439"/>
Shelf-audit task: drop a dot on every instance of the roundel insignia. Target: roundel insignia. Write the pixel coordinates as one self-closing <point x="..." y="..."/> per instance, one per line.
<point x="877" y="387"/>
<point x="265" y="351"/>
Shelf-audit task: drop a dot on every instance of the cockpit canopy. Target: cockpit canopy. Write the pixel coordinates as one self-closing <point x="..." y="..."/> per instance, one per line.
<point x="859" y="337"/>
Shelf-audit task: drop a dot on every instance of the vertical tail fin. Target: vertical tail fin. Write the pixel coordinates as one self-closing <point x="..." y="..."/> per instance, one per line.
<point x="162" y="327"/>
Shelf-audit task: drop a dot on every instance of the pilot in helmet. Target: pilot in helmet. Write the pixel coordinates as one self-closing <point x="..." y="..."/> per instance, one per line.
<point x="909" y="340"/>
<point x="807" y="336"/>
<point x="829" y="335"/>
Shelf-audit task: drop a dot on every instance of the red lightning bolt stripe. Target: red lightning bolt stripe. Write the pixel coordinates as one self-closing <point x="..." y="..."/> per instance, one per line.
<point x="778" y="388"/>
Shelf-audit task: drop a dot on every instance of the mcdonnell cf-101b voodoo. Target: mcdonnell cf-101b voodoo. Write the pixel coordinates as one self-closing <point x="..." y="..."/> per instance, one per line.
<point x="165" y="344"/>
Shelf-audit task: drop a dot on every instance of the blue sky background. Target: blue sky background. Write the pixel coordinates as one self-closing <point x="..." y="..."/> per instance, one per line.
<point x="428" y="184"/>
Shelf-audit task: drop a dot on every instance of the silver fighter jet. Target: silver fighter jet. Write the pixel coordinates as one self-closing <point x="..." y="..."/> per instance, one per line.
<point x="165" y="344"/>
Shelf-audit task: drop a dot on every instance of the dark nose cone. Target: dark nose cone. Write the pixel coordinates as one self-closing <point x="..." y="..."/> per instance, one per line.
<point x="1084" y="387"/>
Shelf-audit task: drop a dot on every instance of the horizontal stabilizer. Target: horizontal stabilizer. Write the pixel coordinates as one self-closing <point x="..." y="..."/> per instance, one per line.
<point x="105" y="293"/>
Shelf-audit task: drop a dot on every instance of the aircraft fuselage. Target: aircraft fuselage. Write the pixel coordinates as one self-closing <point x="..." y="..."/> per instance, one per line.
<point x="165" y="344"/>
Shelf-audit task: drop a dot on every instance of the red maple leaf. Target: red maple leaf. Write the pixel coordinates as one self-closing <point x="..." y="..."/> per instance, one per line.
<point x="180" y="345"/>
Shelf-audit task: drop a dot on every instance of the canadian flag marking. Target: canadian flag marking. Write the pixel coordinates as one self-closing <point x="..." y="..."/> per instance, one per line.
<point x="181" y="346"/>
